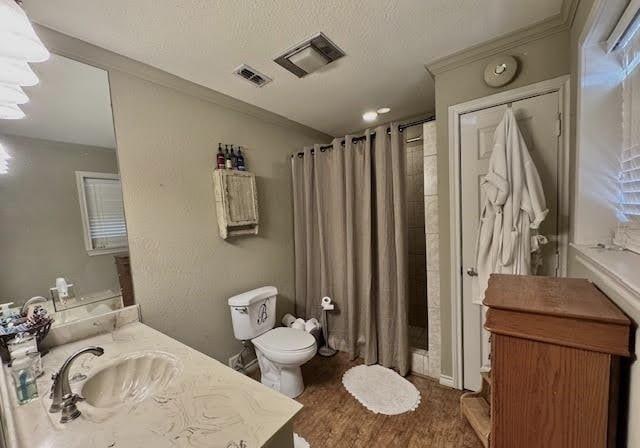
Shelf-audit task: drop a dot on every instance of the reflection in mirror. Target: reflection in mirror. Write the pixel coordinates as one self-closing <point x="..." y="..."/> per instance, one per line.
<point x="62" y="229"/>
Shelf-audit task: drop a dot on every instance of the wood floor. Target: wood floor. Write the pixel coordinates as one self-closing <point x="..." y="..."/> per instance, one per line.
<point x="332" y="418"/>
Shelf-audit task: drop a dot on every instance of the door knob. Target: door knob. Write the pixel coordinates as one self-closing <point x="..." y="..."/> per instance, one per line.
<point x="471" y="272"/>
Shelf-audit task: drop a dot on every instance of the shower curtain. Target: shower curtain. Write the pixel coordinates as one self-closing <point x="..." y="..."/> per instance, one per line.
<point x="351" y="244"/>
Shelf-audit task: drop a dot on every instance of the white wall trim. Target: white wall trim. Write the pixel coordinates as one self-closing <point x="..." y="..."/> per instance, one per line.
<point x="560" y="85"/>
<point x="446" y="380"/>
<point x="615" y="287"/>
<point x="552" y="25"/>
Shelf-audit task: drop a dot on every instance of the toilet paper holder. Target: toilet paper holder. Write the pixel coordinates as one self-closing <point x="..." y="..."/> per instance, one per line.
<point x="326" y="305"/>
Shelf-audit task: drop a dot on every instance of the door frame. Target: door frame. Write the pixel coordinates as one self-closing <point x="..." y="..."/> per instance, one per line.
<point x="560" y="85"/>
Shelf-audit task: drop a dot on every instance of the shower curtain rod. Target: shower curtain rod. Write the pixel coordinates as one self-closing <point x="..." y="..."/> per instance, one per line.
<point x="401" y="128"/>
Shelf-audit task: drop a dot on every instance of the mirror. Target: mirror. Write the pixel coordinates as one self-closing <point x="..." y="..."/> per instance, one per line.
<point x="62" y="228"/>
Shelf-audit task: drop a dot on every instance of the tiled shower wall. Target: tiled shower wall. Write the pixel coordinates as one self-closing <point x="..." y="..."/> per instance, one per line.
<point x="427" y="362"/>
<point x="416" y="230"/>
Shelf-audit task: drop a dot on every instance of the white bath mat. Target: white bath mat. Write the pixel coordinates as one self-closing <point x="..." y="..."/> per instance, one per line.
<point x="299" y="442"/>
<point x="381" y="390"/>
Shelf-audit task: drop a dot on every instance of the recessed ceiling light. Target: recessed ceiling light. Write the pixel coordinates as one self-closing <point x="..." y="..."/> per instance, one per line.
<point x="384" y="110"/>
<point x="370" y="116"/>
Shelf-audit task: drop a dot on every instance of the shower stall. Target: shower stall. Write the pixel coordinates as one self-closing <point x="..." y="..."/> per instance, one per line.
<point x="418" y="324"/>
<point x="423" y="271"/>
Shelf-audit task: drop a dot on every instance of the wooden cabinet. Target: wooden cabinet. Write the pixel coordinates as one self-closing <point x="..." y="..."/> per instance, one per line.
<point x="555" y="355"/>
<point x="236" y="202"/>
<point x="123" y="266"/>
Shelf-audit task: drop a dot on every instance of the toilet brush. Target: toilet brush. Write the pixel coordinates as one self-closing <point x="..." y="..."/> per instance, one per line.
<point x="325" y="350"/>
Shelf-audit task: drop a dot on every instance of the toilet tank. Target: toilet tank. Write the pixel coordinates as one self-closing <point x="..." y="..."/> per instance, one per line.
<point x="253" y="312"/>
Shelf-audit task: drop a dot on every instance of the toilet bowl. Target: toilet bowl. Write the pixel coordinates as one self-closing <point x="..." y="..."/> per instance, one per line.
<point x="281" y="352"/>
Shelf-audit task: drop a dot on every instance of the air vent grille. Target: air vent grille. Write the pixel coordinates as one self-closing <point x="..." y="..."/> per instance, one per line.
<point x="252" y="75"/>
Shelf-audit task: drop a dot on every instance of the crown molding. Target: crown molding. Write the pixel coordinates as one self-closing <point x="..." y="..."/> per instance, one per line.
<point x="553" y="25"/>
<point x="79" y="50"/>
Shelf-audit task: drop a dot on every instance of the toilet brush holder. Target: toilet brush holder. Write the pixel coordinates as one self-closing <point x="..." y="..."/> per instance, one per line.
<point x="325" y="350"/>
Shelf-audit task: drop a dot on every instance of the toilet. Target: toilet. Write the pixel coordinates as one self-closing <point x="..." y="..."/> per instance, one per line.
<point x="281" y="351"/>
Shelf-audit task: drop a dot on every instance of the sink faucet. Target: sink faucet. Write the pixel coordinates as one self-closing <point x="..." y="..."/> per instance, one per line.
<point x="63" y="400"/>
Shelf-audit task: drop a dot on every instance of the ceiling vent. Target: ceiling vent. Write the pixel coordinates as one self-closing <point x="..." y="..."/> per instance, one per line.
<point x="252" y="75"/>
<point x="310" y="55"/>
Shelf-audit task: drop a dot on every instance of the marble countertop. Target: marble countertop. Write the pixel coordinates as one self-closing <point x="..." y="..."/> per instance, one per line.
<point x="208" y="405"/>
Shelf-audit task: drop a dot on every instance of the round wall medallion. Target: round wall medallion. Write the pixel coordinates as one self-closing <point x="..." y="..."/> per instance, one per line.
<point x="501" y="71"/>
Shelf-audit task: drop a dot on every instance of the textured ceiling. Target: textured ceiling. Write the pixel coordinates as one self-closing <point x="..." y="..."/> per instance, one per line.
<point x="71" y="103"/>
<point x="387" y="44"/>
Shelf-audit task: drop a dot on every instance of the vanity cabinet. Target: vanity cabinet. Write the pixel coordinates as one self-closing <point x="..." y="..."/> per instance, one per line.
<point x="236" y="202"/>
<point x="556" y="347"/>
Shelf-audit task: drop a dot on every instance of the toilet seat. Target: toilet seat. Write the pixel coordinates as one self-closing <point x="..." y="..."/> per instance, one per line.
<point x="285" y="339"/>
<point x="286" y="345"/>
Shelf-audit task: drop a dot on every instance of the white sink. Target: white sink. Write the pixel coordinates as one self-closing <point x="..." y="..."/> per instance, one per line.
<point x="130" y="379"/>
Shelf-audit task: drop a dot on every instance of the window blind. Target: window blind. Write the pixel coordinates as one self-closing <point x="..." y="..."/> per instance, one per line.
<point x="105" y="213"/>
<point x="630" y="160"/>
<point x="628" y="232"/>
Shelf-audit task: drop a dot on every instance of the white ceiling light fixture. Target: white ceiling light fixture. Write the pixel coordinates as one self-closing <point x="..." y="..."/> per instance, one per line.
<point x="16" y="72"/>
<point x="17" y="37"/>
<point x="309" y="59"/>
<point x="370" y="116"/>
<point x="9" y="111"/>
<point x="19" y="45"/>
<point x="384" y="110"/>
<point x="310" y="55"/>
<point x="10" y="93"/>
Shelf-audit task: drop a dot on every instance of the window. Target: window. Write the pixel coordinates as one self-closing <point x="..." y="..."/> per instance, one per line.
<point x="102" y="212"/>
<point x="628" y="232"/>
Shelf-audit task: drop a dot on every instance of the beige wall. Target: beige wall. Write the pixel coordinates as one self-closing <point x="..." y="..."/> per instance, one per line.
<point x="167" y="131"/>
<point x="183" y="271"/>
<point x="41" y="235"/>
<point x="541" y="59"/>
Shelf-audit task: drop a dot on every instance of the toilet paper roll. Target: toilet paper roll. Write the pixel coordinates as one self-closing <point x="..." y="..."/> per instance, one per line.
<point x="288" y="319"/>
<point x="298" y="324"/>
<point x="326" y="303"/>
<point x="311" y="325"/>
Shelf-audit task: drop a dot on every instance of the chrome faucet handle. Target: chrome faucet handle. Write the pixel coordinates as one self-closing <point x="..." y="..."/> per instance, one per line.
<point x="54" y="378"/>
<point x="69" y="409"/>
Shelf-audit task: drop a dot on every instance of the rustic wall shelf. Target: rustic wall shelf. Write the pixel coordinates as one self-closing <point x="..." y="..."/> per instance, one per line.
<point x="236" y="202"/>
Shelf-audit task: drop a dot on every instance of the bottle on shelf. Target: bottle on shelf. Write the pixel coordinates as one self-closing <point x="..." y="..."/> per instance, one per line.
<point x="234" y="159"/>
<point x="227" y="158"/>
<point x="240" y="160"/>
<point x="220" y="158"/>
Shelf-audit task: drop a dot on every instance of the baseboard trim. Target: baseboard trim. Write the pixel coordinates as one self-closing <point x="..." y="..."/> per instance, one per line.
<point x="446" y="380"/>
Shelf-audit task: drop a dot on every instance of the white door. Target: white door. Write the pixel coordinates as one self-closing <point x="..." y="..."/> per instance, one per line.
<point x="539" y="121"/>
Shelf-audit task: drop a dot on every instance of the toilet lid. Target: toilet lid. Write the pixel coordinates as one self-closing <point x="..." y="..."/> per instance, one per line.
<point x="285" y="339"/>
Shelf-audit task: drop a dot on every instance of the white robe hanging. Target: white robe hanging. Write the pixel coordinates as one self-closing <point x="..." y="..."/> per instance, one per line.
<point x="513" y="208"/>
